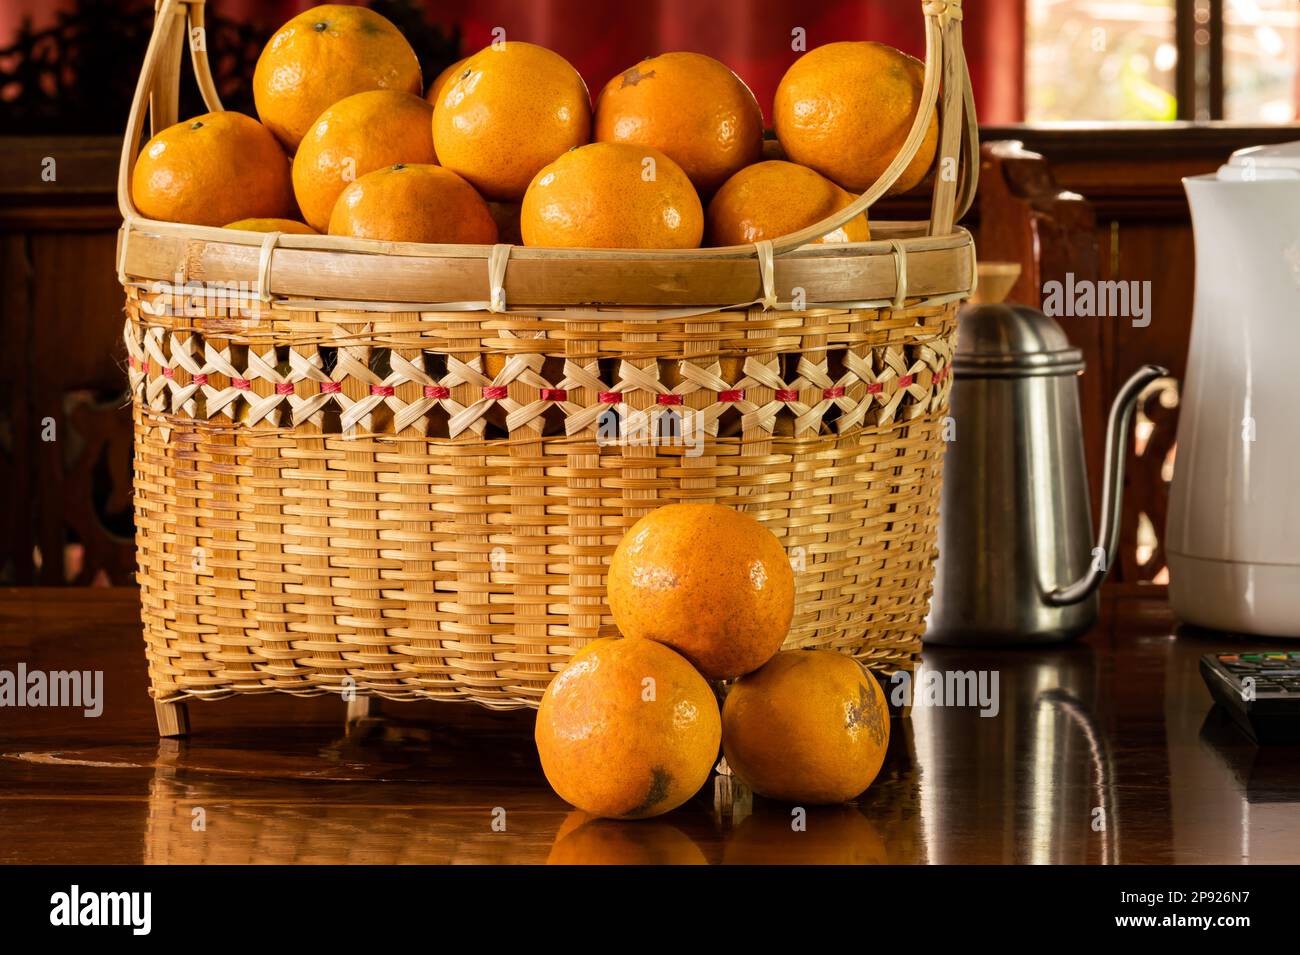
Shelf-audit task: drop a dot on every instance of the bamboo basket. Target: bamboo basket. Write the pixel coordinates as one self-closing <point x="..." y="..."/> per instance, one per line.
<point x="399" y="470"/>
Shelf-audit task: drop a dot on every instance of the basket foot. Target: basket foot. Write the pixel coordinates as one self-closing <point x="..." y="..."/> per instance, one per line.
<point x="173" y="719"/>
<point x="361" y="708"/>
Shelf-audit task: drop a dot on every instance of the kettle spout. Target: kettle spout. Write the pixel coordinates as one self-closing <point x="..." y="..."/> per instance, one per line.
<point x="1117" y="430"/>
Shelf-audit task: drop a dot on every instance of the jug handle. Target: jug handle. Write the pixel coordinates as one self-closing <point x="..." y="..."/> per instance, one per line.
<point x="1117" y="429"/>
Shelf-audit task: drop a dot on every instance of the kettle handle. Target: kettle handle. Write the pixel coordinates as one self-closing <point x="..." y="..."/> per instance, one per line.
<point x="1117" y="429"/>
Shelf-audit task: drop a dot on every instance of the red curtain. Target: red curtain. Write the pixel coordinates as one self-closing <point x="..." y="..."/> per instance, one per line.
<point x="753" y="37"/>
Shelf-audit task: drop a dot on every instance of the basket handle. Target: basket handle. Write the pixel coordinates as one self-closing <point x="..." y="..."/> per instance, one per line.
<point x="157" y="92"/>
<point x="944" y="60"/>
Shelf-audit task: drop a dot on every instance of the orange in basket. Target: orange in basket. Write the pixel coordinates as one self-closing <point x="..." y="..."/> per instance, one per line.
<point x="690" y="107"/>
<point x="514" y="108"/>
<point x="211" y="170"/>
<point x="323" y="55"/>
<point x="845" y="110"/>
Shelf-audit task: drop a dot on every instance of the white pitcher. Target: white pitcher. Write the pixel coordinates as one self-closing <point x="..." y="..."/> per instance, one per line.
<point x="1233" y="536"/>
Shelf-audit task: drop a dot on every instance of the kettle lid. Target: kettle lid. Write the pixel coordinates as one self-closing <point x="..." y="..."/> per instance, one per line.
<point x="1280" y="161"/>
<point x="998" y="340"/>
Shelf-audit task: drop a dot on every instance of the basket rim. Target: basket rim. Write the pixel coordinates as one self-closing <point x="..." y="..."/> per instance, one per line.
<point x="330" y="272"/>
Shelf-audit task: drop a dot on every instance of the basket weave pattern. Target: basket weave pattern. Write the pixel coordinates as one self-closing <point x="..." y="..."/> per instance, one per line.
<point x="330" y="501"/>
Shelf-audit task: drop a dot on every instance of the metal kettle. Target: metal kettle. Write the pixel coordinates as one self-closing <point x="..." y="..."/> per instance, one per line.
<point x="1017" y="562"/>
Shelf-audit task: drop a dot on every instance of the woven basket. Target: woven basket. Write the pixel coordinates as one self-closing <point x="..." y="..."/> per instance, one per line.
<point x="400" y="470"/>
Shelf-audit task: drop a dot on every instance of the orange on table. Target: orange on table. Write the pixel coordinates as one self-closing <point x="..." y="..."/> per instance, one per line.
<point x="612" y="196"/>
<point x="213" y="169"/>
<point x="413" y="203"/>
<point x="441" y="80"/>
<point x="691" y="108"/>
<point x="323" y="55"/>
<point x="287" y="226"/>
<point x="845" y="109"/>
<point x="627" y="729"/>
<point x="358" y="134"/>
<point x="513" y="108"/>
<point x="809" y="726"/>
<point x="709" y="581"/>
<point x="770" y="199"/>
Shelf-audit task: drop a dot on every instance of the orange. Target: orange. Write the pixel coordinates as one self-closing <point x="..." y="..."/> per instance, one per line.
<point x="691" y="108"/>
<point x="770" y="199"/>
<point x="810" y="726"/>
<point x="711" y="582"/>
<point x="628" y="729"/>
<point x="357" y="135"/>
<point x="845" y="109"/>
<point x="323" y="55"/>
<point x="440" y="81"/>
<point x="612" y="196"/>
<point x="213" y="169"/>
<point x="289" y="226"/>
<point x="513" y="108"/>
<point x="590" y="840"/>
<point x="415" y="203"/>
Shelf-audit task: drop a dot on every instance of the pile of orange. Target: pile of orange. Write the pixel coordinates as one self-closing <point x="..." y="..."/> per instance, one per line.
<point x="506" y="145"/>
<point x="631" y="727"/>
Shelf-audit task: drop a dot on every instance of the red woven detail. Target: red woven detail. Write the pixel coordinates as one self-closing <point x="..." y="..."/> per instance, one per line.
<point x="735" y="394"/>
<point x="493" y="392"/>
<point x="555" y="394"/>
<point x="131" y="362"/>
<point x="905" y="381"/>
<point x="875" y="388"/>
<point x="284" y="388"/>
<point x="330" y="387"/>
<point x="169" y="373"/>
<point x="243" y="384"/>
<point x="200" y="379"/>
<point x="942" y="373"/>
<point x="836" y="392"/>
<point x="610" y="397"/>
<point x="668" y="399"/>
<point x="383" y="391"/>
<point x="787" y="394"/>
<point x="436" y="391"/>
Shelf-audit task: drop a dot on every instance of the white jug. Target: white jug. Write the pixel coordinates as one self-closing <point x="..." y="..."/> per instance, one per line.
<point x="1233" y="536"/>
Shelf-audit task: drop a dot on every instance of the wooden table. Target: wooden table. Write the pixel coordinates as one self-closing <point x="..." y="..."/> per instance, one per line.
<point x="1105" y="751"/>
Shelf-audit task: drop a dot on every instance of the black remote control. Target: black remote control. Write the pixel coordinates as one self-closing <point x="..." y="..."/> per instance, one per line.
<point x="1260" y="691"/>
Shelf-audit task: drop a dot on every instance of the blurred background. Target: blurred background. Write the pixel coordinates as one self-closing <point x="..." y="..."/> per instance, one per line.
<point x="66" y="64"/>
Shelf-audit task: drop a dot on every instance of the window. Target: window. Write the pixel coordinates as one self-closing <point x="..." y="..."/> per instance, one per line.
<point x="1155" y="60"/>
<point x="1261" y="53"/>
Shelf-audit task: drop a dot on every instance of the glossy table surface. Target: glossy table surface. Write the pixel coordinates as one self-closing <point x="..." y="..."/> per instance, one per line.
<point x="1105" y="751"/>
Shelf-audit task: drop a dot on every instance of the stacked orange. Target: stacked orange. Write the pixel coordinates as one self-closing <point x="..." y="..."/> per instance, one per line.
<point x="700" y="592"/>
<point x="672" y="155"/>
